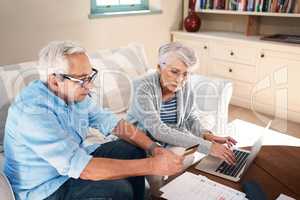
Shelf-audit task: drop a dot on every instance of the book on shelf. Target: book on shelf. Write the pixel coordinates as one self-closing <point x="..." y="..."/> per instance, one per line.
<point x="227" y="4"/>
<point x="297" y="7"/>
<point x="202" y="4"/>
<point x="250" y="6"/>
<point x="277" y="6"/>
<point x="219" y="4"/>
<point x="232" y="4"/>
<point x="242" y="5"/>
<point x="270" y="5"/>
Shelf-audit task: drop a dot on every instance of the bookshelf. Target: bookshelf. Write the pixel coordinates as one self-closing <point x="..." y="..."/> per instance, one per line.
<point x="248" y="13"/>
<point x="253" y="19"/>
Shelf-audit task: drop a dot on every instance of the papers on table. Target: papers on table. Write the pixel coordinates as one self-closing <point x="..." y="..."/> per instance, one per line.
<point x="194" y="187"/>
<point x="284" y="197"/>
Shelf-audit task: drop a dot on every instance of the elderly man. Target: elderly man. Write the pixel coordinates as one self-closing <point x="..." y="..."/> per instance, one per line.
<point x="47" y="124"/>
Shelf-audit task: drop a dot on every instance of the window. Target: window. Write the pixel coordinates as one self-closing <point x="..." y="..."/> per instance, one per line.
<point x="110" y="6"/>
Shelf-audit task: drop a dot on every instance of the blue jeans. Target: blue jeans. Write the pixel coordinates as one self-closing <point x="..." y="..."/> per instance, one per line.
<point x="132" y="188"/>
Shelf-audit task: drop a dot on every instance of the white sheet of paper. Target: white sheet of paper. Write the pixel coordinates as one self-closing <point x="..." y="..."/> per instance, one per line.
<point x="195" y="187"/>
<point x="284" y="197"/>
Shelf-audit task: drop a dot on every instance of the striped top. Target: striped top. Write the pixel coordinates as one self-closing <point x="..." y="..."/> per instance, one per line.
<point x="168" y="111"/>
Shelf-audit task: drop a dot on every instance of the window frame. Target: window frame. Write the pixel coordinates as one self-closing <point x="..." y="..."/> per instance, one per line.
<point x="95" y="9"/>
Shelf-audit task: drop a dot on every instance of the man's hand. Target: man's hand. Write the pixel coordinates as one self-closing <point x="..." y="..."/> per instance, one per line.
<point x="158" y="150"/>
<point x="165" y="162"/>
<point x="223" y="152"/>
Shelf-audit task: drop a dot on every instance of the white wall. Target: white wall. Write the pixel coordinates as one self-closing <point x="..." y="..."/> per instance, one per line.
<point x="27" y="25"/>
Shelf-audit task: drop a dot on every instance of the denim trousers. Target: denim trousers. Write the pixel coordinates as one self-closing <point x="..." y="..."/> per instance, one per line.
<point x="132" y="188"/>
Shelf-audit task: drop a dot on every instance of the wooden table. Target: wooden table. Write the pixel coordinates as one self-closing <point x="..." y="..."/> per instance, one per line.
<point x="276" y="169"/>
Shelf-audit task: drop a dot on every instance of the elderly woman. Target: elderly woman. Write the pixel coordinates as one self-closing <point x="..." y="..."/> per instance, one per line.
<point x="163" y="106"/>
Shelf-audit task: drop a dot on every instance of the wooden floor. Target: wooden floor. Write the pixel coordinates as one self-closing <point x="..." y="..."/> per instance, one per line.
<point x="283" y="126"/>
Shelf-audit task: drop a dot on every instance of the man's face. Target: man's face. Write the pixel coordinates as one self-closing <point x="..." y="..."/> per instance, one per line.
<point x="79" y="68"/>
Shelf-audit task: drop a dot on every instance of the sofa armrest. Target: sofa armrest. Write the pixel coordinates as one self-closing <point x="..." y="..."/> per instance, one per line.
<point x="212" y="98"/>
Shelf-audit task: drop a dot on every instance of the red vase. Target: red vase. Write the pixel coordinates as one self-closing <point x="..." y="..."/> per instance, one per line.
<point x="192" y="22"/>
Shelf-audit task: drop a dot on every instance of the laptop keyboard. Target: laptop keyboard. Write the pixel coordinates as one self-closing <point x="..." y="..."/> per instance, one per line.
<point x="233" y="170"/>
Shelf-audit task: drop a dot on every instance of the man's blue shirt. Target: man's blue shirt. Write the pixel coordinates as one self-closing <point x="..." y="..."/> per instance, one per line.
<point x="43" y="140"/>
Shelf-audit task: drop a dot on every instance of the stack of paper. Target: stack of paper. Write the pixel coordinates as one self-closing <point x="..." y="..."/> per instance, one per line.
<point x="194" y="187"/>
<point x="284" y="197"/>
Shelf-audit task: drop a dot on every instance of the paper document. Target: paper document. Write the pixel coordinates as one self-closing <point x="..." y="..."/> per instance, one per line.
<point x="284" y="197"/>
<point x="194" y="187"/>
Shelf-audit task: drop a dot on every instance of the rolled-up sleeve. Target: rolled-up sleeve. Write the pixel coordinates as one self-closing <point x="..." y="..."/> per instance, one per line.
<point x="43" y="134"/>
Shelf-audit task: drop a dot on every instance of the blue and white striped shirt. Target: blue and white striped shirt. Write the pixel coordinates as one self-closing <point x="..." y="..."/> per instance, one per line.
<point x="168" y="111"/>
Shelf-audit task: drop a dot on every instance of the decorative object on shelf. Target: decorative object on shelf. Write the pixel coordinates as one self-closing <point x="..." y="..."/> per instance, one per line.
<point x="192" y="22"/>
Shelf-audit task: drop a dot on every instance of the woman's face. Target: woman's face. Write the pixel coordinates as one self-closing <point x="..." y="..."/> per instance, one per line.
<point x="173" y="76"/>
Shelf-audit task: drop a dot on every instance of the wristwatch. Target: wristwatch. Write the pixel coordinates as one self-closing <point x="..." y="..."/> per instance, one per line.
<point x="152" y="147"/>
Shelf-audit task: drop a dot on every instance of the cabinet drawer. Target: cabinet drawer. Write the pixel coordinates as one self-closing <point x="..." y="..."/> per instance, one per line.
<point x="195" y="44"/>
<point x="246" y="73"/>
<point x="234" y="52"/>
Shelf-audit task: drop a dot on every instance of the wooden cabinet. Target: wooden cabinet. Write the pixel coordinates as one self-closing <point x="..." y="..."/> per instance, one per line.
<point x="202" y="50"/>
<point x="265" y="75"/>
<point x="277" y="88"/>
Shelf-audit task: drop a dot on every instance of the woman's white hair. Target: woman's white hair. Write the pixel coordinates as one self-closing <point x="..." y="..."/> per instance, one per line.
<point x="175" y="50"/>
<point x="53" y="56"/>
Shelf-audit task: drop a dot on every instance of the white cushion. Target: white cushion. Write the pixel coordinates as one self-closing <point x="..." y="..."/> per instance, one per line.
<point x="13" y="78"/>
<point x="117" y="68"/>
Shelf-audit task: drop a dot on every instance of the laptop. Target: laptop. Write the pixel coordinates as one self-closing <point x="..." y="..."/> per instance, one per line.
<point x="244" y="158"/>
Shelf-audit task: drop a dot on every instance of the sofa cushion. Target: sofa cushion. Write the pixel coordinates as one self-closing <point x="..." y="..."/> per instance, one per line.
<point x="13" y="78"/>
<point x="117" y="68"/>
<point x="130" y="58"/>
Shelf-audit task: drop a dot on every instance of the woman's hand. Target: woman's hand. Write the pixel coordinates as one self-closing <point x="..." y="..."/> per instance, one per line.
<point x="221" y="140"/>
<point x="222" y="152"/>
<point x="224" y="140"/>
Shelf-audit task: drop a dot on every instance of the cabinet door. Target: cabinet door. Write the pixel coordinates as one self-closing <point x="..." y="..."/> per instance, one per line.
<point x="201" y="48"/>
<point x="278" y="87"/>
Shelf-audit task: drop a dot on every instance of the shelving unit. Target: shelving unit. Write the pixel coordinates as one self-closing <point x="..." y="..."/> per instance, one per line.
<point x="248" y="13"/>
<point x="252" y="18"/>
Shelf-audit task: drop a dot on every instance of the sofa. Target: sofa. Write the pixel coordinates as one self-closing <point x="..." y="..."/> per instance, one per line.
<point x="117" y="68"/>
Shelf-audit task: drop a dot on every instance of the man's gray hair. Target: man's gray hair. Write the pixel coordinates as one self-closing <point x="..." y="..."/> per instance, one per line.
<point x="52" y="57"/>
<point x="176" y="50"/>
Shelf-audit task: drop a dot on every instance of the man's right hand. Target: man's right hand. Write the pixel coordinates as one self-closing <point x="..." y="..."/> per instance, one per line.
<point x="223" y="152"/>
<point x="166" y="163"/>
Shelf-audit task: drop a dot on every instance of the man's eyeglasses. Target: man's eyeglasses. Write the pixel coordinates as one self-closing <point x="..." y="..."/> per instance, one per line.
<point x="84" y="80"/>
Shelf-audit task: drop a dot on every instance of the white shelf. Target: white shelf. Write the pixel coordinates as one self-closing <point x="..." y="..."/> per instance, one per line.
<point x="234" y="12"/>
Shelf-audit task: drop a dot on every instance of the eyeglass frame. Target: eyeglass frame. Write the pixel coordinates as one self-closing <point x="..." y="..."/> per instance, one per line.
<point x="185" y="77"/>
<point x="81" y="82"/>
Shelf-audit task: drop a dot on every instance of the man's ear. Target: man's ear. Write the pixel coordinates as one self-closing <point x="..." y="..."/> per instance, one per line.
<point x="53" y="81"/>
<point x="158" y="68"/>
